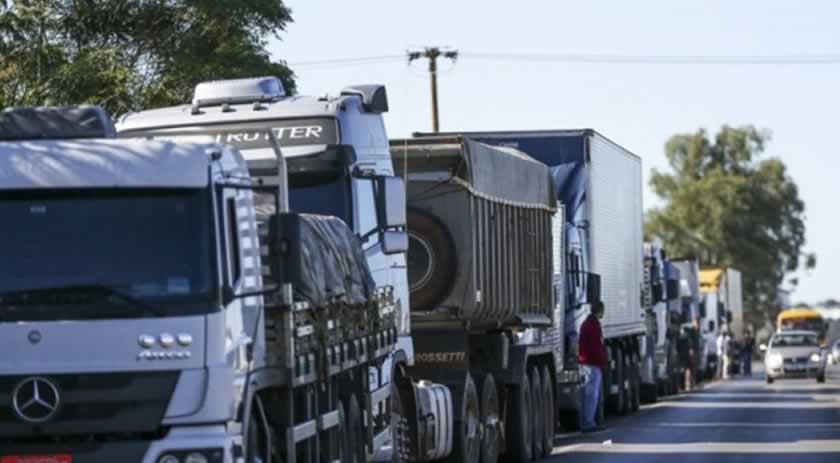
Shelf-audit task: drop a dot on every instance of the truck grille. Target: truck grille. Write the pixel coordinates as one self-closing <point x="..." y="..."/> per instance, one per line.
<point x="91" y="404"/>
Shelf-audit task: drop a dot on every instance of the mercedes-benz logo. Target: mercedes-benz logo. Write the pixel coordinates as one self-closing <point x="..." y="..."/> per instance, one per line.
<point x="36" y="399"/>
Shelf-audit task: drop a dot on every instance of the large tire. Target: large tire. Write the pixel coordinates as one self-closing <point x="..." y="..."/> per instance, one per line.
<point x="354" y="447"/>
<point x="399" y="424"/>
<point x="491" y="433"/>
<point x="618" y="403"/>
<point x="635" y="385"/>
<point x="770" y="379"/>
<point x="467" y="439"/>
<point x="518" y="432"/>
<point x="431" y="260"/>
<point x="259" y="439"/>
<point x="549" y="426"/>
<point x="625" y="387"/>
<point x="821" y="378"/>
<point x="537" y="413"/>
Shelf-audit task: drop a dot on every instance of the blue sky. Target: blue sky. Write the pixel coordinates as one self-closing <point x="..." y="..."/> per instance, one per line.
<point x="638" y="106"/>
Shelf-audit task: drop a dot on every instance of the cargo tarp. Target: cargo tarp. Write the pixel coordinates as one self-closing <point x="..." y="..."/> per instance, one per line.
<point x="334" y="265"/>
<point x="52" y="123"/>
<point x="508" y="174"/>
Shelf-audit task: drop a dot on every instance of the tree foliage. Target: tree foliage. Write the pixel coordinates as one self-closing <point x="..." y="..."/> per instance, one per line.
<point x="729" y="207"/>
<point x="132" y="54"/>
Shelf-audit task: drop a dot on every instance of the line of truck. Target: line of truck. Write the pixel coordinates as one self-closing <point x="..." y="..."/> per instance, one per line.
<point x="271" y="278"/>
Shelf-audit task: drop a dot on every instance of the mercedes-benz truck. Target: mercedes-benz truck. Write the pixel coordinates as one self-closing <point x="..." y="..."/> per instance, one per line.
<point x="163" y="305"/>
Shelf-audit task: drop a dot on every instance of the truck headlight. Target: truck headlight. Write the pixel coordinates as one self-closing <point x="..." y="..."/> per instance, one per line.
<point x="816" y="357"/>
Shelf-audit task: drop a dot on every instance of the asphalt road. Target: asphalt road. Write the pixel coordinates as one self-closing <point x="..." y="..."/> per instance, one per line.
<point x="740" y="420"/>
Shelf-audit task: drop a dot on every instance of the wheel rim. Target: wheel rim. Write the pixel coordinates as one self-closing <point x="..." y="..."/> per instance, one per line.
<point x="471" y="426"/>
<point x="421" y="261"/>
<point x="489" y="421"/>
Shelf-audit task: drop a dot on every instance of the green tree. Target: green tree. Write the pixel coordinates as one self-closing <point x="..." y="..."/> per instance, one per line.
<point x="132" y="54"/>
<point x="729" y="207"/>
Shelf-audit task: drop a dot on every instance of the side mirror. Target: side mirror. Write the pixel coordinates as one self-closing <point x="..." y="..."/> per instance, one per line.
<point x="390" y="206"/>
<point x="711" y="325"/>
<point x="394" y="242"/>
<point x="763" y="347"/>
<point x="390" y="202"/>
<point x="593" y="288"/>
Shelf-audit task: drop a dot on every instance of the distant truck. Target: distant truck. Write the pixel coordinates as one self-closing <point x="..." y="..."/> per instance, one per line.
<point x="599" y="184"/>
<point x="721" y="308"/>
<point x="661" y="293"/>
<point x="689" y="268"/>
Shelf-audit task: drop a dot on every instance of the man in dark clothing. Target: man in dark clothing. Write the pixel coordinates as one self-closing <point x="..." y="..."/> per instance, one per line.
<point x="592" y="356"/>
<point x="747" y="354"/>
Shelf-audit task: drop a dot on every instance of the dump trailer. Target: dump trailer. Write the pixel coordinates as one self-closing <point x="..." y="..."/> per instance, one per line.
<point x="336" y="163"/>
<point x="162" y="305"/>
<point x="599" y="184"/>
<point x="486" y="271"/>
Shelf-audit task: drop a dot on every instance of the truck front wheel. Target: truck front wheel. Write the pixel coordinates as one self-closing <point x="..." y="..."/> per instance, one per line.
<point x="354" y="444"/>
<point x="260" y="439"/>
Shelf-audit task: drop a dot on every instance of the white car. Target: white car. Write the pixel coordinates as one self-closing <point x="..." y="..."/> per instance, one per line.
<point x="794" y="354"/>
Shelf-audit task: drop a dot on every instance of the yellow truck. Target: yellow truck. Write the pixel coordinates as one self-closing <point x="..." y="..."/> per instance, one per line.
<point x="802" y="318"/>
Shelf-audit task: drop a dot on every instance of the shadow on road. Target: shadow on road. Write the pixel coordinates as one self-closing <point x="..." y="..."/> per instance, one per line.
<point x="741" y="420"/>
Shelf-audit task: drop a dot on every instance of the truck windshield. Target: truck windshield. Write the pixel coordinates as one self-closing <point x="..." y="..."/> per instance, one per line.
<point x="324" y="193"/>
<point x="88" y="254"/>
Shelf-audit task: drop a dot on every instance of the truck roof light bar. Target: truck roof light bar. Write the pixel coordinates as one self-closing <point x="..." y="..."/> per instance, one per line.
<point x="237" y="91"/>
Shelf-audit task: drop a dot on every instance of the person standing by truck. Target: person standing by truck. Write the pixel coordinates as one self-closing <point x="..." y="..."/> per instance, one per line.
<point x="747" y="353"/>
<point x="592" y="356"/>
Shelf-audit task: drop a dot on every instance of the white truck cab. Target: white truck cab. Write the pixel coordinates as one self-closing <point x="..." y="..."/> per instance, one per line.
<point x="338" y="163"/>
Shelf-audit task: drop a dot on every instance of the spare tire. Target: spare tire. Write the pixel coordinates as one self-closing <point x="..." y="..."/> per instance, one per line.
<point x="431" y="260"/>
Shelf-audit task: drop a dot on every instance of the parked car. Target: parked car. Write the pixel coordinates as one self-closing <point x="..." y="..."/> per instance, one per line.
<point x="794" y="354"/>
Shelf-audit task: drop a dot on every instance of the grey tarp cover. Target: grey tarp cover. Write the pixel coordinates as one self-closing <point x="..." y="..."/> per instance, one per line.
<point x="34" y="123"/>
<point x="334" y="264"/>
<point x="508" y="174"/>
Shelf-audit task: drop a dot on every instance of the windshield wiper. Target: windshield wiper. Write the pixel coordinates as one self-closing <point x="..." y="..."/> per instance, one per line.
<point x="109" y="290"/>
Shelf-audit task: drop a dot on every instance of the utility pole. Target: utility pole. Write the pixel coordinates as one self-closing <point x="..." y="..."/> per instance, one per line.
<point x="433" y="53"/>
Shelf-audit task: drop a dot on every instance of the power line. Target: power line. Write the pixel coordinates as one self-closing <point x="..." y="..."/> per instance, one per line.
<point x="802" y="59"/>
<point x="350" y="61"/>
<point x="656" y="59"/>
